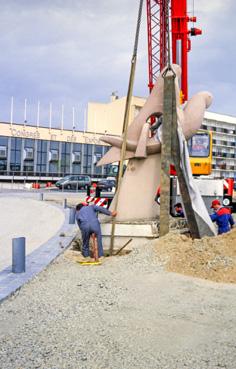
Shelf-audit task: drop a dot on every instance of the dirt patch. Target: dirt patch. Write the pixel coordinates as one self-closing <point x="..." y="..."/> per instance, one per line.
<point x="212" y="258"/>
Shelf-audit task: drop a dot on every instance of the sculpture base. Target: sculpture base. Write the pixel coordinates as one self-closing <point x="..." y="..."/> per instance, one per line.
<point x="139" y="231"/>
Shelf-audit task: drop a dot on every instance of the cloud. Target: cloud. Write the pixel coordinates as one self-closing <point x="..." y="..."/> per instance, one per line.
<point x="66" y="52"/>
<point x="71" y="52"/>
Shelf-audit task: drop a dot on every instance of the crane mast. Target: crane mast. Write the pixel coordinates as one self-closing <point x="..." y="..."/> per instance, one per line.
<point x="180" y="41"/>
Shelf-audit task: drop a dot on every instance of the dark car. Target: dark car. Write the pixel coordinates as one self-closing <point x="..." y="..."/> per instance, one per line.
<point x="106" y="184"/>
<point x="74" y="182"/>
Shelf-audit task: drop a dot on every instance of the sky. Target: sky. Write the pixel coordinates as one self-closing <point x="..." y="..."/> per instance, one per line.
<point x="71" y="52"/>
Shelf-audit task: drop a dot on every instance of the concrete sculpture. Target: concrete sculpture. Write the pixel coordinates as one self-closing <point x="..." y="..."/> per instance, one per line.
<point x="142" y="176"/>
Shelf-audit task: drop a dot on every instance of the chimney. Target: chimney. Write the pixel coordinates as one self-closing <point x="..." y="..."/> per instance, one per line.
<point x="114" y="96"/>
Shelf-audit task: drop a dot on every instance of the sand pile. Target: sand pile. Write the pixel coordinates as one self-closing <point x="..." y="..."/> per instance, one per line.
<point x="211" y="258"/>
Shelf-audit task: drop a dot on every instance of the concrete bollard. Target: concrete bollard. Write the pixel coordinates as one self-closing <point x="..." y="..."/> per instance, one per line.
<point x="18" y="255"/>
<point x="41" y="196"/>
<point x="65" y="203"/>
<point x="72" y="216"/>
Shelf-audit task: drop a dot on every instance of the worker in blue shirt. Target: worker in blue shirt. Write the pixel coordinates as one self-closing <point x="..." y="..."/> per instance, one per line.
<point x="86" y="217"/>
<point x="222" y="217"/>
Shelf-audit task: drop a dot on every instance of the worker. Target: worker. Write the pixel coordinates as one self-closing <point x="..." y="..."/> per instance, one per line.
<point x="86" y="217"/>
<point x="222" y="216"/>
<point x="179" y="210"/>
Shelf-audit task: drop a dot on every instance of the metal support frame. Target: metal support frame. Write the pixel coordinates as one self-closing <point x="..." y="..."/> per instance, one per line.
<point x="157" y="39"/>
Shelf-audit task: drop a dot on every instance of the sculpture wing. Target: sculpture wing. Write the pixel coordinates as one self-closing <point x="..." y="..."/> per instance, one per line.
<point x="113" y="155"/>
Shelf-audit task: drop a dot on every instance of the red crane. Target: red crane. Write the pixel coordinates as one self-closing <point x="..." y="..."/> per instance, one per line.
<point x="157" y="38"/>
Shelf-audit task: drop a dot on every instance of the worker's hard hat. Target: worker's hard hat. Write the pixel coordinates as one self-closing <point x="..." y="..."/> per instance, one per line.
<point x="215" y="202"/>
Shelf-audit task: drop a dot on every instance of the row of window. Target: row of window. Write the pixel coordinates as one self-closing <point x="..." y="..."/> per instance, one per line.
<point x="223" y="166"/>
<point x="41" y="156"/>
<point x="230" y="130"/>
<point x="225" y="143"/>
<point x="223" y="154"/>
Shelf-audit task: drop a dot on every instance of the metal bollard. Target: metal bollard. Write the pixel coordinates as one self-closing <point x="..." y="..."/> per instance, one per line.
<point x="65" y="203"/>
<point x="98" y="192"/>
<point x="18" y="255"/>
<point x="88" y="190"/>
<point x="72" y="216"/>
<point x="41" y="196"/>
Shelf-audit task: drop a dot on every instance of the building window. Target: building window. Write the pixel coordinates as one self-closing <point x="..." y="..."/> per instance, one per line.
<point x="65" y="157"/>
<point x="53" y="157"/>
<point x="42" y="157"/>
<point x="87" y="159"/>
<point x="76" y="158"/>
<point x="15" y="160"/>
<point x="3" y="154"/>
<point x="28" y="167"/>
<point x="28" y="156"/>
<point x="108" y="169"/>
<point x="98" y="149"/>
<point x="28" y="153"/>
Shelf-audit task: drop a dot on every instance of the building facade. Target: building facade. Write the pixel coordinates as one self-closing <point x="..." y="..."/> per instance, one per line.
<point x="223" y="129"/>
<point x="109" y="117"/>
<point x="37" y="152"/>
<point x="44" y="153"/>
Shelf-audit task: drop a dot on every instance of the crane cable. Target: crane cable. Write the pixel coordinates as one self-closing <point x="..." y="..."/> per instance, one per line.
<point x="126" y="122"/>
<point x="169" y="66"/>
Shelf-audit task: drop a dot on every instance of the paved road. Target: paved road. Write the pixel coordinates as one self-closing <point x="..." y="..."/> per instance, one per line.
<point x="38" y="221"/>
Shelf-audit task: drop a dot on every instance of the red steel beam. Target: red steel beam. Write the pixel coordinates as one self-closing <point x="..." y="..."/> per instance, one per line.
<point x="157" y="39"/>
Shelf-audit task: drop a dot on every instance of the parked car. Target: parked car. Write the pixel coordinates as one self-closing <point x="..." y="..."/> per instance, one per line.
<point x="106" y="184"/>
<point x="74" y="182"/>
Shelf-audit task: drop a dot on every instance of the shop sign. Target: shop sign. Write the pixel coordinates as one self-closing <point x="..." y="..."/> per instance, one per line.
<point x="25" y="134"/>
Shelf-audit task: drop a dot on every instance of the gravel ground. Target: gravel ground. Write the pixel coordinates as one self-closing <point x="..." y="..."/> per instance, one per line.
<point x="126" y="314"/>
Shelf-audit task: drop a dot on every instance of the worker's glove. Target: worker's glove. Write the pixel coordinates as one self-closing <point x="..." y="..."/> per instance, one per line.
<point x="113" y="213"/>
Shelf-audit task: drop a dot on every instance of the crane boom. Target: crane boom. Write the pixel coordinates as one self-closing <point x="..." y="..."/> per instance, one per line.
<point x="157" y="38"/>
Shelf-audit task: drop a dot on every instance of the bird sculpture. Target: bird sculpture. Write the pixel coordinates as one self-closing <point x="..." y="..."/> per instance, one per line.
<point x="142" y="175"/>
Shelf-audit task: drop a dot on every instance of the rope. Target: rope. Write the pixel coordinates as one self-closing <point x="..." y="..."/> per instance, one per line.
<point x="126" y="121"/>
<point x="169" y="66"/>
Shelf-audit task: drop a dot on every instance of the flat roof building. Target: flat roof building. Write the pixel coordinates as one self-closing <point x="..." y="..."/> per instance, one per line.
<point x="223" y="129"/>
<point x="44" y="153"/>
<point x="48" y="153"/>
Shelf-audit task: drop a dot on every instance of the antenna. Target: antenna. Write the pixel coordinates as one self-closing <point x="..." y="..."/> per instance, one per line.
<point x="25" y="120"/>
<point x="62" y="117"/>
<point x="38" y="114"/>
<point x="50" y="116"/>
<point x="73" y="118"/>
<point x="11" y="118"/>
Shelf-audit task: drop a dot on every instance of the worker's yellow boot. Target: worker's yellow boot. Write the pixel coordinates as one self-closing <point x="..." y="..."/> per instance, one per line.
<point x="84" y="258"/>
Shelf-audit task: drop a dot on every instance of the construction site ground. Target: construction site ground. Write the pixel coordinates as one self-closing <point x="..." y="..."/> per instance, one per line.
<point x="212" y="258"/>
<point x="128" y="313"/>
